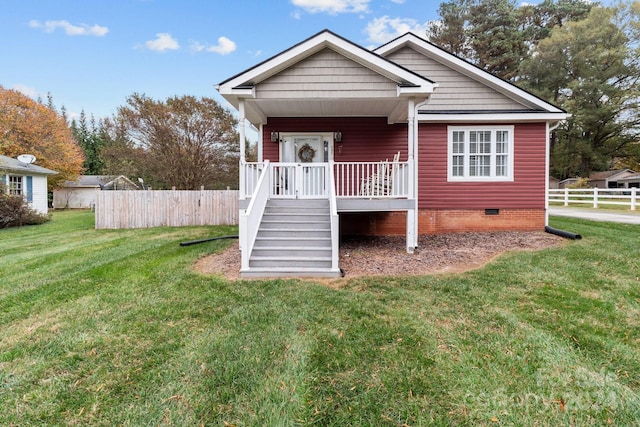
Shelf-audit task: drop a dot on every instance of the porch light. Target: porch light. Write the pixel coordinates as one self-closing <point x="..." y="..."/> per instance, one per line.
<point x="337" y="136"/>
<point x="274" y="136"/>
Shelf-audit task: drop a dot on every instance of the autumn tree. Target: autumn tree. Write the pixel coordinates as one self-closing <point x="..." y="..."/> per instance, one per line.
<point x="183" y="142"/>
<point x="29" y="127"/>
<point x="590" y="68"/>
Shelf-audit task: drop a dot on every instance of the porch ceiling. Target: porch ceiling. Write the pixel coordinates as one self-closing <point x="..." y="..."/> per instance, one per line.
<point x="258" y="110"/>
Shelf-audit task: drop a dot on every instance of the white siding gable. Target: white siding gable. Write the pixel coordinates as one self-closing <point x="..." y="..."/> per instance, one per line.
<point x="327" y="74"/>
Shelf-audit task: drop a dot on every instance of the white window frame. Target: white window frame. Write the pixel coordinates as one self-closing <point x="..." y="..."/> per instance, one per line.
<point x="16" y="185"/>
<point x="492" y="156"/>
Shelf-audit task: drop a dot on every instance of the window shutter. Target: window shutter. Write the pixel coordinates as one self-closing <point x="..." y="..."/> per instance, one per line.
<point x="3" y="184"/>
<point x="29" y="189"/>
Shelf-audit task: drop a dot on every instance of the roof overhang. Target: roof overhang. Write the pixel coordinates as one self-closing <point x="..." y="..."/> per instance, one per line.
<point x="491" y="117"/>
<point x="242" y="87"/>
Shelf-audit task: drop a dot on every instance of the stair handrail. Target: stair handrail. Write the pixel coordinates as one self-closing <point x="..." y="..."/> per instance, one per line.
<point x="249" y="221"/>
<point x="335" y="222"/>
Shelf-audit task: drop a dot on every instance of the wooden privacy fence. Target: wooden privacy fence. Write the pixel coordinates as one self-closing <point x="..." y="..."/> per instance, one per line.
<point x="155" y="208"/>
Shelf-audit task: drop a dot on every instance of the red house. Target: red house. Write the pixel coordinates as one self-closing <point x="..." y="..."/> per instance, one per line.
<point x="405" y="139"/>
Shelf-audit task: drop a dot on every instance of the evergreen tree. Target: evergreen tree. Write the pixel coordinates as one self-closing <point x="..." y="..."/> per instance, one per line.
<point x="91" y="140"/>
<point x="590" y="68"/>
<point x="497" y="35"/>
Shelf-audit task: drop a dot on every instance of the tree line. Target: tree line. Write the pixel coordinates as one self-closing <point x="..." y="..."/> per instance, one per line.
<point x="183" y="142"/>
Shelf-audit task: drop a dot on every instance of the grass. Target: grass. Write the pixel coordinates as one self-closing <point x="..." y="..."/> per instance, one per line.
<point x="112" y="327"/>
<point x="619" y="207"/>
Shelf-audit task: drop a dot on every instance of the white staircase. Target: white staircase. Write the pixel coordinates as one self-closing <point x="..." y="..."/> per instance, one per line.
<point x="294" y="239"/>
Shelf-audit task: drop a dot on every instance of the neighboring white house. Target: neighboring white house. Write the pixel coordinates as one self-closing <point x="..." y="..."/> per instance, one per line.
<point x="26" y="180"/>
<point x="81" y="194"/>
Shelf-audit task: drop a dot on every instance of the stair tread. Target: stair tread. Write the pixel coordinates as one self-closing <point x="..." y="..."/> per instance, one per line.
<point x="293" y="229"/>
<point x="292" y="238"/>
<point x="290" y="258"/>
<point x="290" y="270"/>
<point x="295" y="221"/>
<point x="293" y="248"/>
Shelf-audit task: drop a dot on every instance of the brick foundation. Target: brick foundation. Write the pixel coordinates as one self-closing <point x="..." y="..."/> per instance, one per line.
<point x="454" y="221"/>
<point x="442" y="221"/>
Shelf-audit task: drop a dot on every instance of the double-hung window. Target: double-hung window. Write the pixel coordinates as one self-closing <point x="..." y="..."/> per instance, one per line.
<point x="15" y="185"/>
<point x="480" y="153"/>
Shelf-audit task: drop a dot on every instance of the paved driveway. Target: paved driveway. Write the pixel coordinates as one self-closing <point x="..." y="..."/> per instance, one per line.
<point x="596" y="215"/>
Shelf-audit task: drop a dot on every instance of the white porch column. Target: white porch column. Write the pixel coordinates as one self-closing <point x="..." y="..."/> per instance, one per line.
<point x="412" y="220"/>
<point x="260" y="143"/>
<point x="241" y="128"/>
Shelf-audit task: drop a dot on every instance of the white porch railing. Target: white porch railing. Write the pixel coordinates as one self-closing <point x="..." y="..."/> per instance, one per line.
<point x="303" y="180"/>
<point x="595" y="196"/>
<point x="250" y="172"/>
<point x="335" y="221"/>
<point x="249" y="220"/>
<point x="351" y="179"/>
<point x="372" y="179"/>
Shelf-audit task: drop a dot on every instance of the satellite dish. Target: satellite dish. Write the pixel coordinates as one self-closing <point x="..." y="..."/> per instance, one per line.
<point x="27" y="158"/>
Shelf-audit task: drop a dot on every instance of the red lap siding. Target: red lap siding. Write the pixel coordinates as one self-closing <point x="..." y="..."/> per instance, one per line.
<point x="365" y="139"/>
<point x="527" y="191"/>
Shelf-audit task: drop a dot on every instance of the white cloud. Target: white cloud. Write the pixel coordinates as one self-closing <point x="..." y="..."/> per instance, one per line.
<point x="224" y="47"/>
<point x="383" y="29"/>
<point x="70" y="29"/>
<point x="26" y="90"/>
<point x="332" y="7"/>
<point x="162" y="42"/>
<point x="398" y="1"/>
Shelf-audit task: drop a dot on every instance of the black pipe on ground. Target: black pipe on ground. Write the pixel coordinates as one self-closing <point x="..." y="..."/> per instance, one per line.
<point x="562" y="233"/>
<point x="195" y="242"/>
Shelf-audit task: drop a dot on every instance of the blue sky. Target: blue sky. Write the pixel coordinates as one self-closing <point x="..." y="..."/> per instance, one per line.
<point x="92" y="54"/>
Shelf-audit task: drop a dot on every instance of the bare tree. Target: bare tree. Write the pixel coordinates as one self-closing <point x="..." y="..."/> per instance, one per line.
<point x="182" y="142"/>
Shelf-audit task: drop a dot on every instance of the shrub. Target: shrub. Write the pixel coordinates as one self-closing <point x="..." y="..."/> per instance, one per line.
<point x="580" y="183"/>
<point x="14" y="211"/>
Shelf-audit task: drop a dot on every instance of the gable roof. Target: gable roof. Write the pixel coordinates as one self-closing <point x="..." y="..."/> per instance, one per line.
<point x="100" y="181"/>
<point x="13" y="165"/>
<point x="244" y="86"/>
<point x="300" y="82"/>
<point x="465" y="67"/>
<point x="533" y="107"/>
<point x="609" y="173"/>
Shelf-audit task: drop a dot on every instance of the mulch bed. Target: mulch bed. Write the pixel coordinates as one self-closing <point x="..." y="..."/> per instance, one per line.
<point x="387" y="255"/>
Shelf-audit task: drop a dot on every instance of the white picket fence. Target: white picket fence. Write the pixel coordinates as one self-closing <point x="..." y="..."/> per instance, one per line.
<point x="595" y="196"/>
<point x="155" y="208"/>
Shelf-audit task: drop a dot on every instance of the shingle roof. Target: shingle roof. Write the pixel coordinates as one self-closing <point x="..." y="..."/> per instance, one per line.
<point x="607" y="174"/>
<point x="13" y="165"/>
<point x="98" y="181"/>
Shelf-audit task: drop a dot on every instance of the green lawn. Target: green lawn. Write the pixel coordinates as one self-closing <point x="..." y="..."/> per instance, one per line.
<point x="103" y="327"/>
<point x="601" y="206"/>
